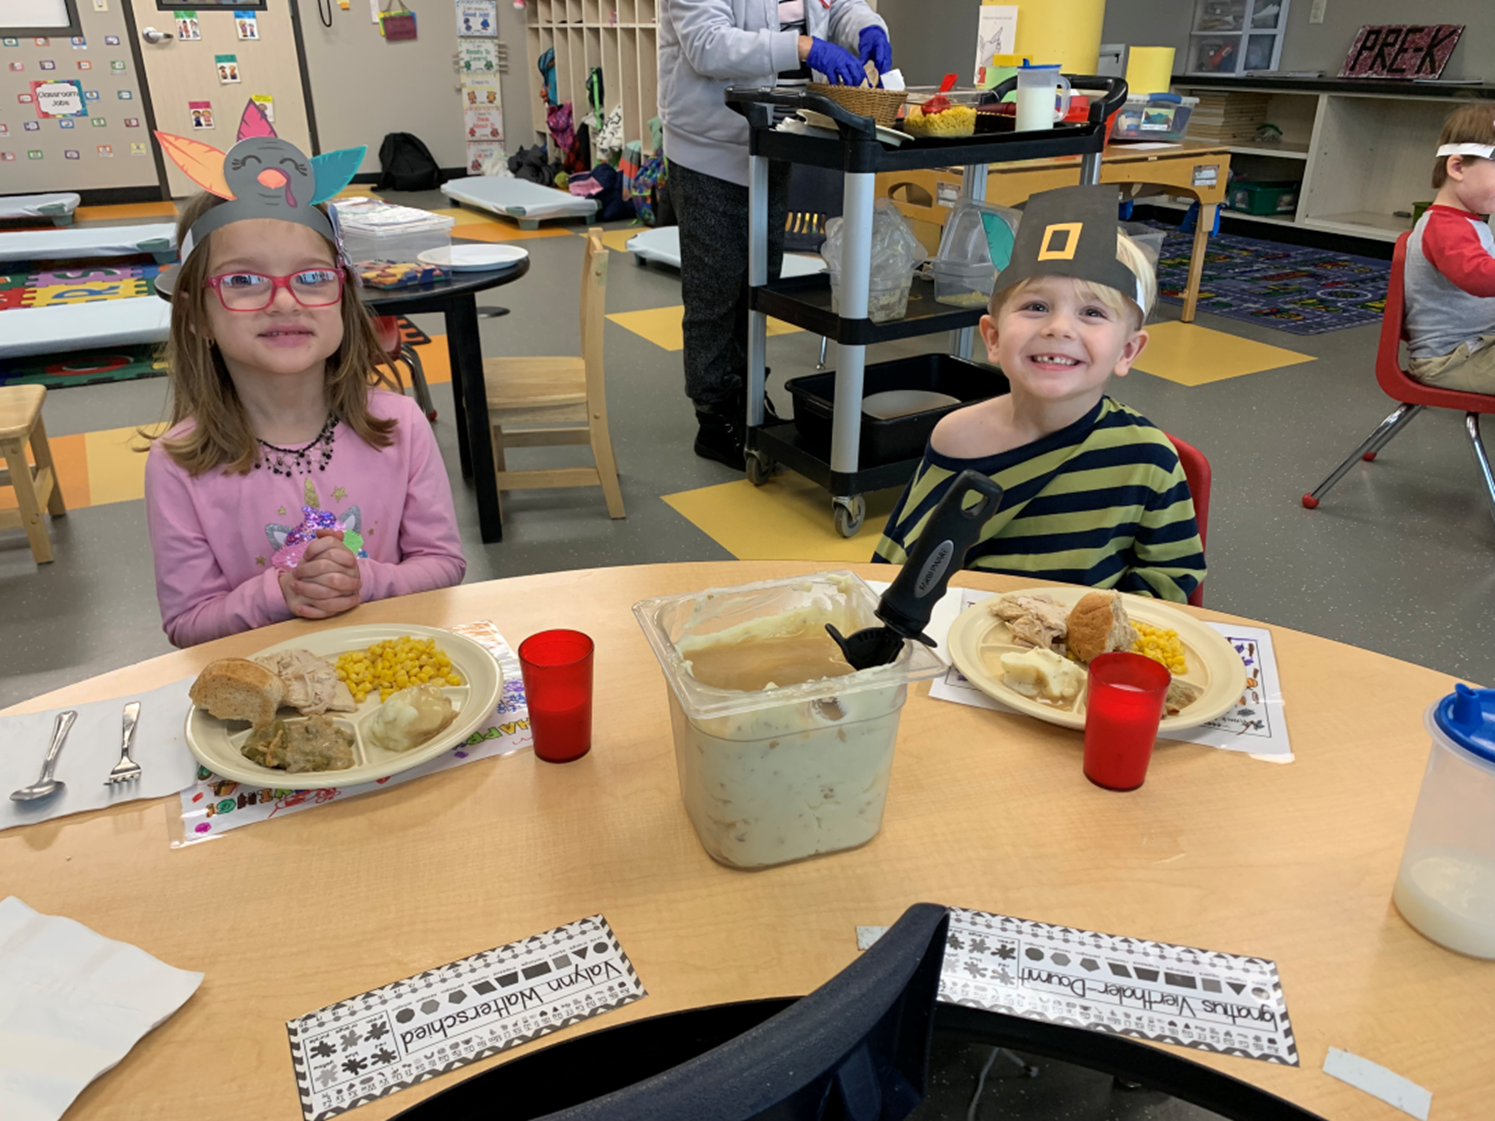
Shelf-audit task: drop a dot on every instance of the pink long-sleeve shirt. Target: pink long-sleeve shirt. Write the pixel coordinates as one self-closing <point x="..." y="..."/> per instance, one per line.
<point x="214" y="536"/>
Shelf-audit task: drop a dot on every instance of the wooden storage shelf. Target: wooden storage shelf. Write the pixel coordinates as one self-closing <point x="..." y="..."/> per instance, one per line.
<point x="1365" y="152"/>
<point x="621" y="37"/>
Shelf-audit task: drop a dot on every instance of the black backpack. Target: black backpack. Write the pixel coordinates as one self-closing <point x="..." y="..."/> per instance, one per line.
<point x="406" y="164"/>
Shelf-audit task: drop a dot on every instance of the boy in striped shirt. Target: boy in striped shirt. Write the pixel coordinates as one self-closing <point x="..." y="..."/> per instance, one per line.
<point x="1093" y="492"/>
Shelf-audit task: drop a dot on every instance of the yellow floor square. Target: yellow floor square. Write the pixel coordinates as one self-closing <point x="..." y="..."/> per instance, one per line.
<point x="504" y="231"/>
<point x="116" y="470"/>
<point x="464" y="215"/>
<point x="661" y="325"/>
<point x="125" y="210"/>
<point x="1191" y="355"/>
<point x="789" y="518"/>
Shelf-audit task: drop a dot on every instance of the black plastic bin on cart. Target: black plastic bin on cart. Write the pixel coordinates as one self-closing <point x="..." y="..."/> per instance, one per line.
<point x="840" y="464"/>
<point x="893" y="439"/>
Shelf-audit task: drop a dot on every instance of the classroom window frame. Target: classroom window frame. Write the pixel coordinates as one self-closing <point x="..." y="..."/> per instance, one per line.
<point x="74" y="26"/>
<point x="211" y="5"/>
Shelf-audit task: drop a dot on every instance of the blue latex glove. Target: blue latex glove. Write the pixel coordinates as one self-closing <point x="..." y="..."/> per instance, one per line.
<point x="839" y="65"/>
<point x="873" y="44"/>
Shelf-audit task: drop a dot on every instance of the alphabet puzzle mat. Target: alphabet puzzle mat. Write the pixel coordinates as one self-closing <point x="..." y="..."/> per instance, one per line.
<point x="389" y="1038"/>
<point x="35" y="287"/>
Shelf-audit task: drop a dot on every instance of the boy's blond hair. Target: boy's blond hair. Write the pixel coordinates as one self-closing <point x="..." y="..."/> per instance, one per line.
<point x="1473" y="123"/>
<point x="1130" y="254"/>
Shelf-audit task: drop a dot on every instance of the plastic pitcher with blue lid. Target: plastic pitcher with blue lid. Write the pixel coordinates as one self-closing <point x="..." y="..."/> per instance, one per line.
<point x="1445" y="887"/>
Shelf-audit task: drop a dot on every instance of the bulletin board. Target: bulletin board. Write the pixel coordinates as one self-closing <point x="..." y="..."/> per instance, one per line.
<point x="72" y="116"/>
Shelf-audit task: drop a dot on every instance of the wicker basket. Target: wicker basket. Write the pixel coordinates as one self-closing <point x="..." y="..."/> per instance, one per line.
<point x="881" y="105"/>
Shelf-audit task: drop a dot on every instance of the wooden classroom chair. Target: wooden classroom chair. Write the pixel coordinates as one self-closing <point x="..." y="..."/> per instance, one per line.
<point x="20" y="423"/>
<point x="536" y="402"/>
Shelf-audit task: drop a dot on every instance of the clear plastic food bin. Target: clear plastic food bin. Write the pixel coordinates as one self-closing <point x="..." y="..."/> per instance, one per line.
<point x="380" y="233"/>
<point x="1446" y="884"/>
<point x="780" y="774"/>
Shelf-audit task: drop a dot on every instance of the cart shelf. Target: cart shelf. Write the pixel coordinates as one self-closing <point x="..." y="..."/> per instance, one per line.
<point x="805" y="301"/>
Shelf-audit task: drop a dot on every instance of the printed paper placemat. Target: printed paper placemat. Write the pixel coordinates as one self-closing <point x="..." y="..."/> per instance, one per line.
<point x="213" y="805"/>
<point x="1203" y="999"/>
<point x="1256" y="725"/>
<point x="392" y="1037"/>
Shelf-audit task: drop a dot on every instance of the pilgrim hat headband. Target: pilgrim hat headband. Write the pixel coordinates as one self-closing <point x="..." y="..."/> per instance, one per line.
<point x="262" y="176"/>
<point x="1071" y="232"/>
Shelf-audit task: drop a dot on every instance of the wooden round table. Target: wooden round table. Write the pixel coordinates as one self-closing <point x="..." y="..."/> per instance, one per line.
<point x="986" y="810"/>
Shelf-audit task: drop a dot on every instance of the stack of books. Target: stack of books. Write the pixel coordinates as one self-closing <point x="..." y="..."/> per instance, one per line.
<point x="1227" y="116"/>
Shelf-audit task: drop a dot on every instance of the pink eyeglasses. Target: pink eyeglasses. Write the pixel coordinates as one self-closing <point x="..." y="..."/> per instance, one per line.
<point x="250" y="291"/>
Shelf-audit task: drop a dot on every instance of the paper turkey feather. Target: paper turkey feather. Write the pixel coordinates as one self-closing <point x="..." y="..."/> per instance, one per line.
<point x="202" y="163"/>
<point x="254" y="122"/>
<point x="335" y="170"/>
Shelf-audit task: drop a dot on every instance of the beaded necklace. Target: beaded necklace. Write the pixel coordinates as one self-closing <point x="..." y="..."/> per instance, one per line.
<point x="293" y="462"/>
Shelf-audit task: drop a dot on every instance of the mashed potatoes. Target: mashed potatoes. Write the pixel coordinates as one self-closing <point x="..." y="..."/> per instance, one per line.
<point x="410" y="717"/>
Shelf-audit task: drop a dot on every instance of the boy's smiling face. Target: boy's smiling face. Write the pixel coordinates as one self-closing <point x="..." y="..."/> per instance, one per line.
<point x="1055" y="344"/>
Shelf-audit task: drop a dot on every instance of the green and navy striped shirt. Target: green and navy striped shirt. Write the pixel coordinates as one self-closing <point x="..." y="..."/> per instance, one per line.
<point x="1102" y="502"/>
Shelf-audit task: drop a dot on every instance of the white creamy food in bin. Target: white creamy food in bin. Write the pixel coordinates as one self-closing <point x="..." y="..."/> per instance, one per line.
<point x="787" y="769"/>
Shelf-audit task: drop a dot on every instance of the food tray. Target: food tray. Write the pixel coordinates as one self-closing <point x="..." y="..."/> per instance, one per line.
<point x="217" y="743"/>
<point x="977" y="636"/>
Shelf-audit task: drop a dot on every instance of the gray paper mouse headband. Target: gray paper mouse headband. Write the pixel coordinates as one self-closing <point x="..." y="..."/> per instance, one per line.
<point x="262" y="176"/>
<point x="1071" y="232"/>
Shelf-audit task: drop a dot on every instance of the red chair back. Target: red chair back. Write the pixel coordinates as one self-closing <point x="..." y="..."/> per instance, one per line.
<point x="1395" y="381"/>
<point x="387" y="331"/>
<point x="1199" y="476"/>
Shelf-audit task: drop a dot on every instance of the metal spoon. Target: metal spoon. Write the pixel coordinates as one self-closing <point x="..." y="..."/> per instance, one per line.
<point x="46" y="786"/>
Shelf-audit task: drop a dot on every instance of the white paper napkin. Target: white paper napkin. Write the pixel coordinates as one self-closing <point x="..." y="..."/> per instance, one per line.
<point x="92" y="749"/>
<point x="72" y="1004"/>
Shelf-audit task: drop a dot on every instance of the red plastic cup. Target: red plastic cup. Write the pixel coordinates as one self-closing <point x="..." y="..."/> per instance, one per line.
<point x="1123" y="708"/>
<point x="557" y="667"/>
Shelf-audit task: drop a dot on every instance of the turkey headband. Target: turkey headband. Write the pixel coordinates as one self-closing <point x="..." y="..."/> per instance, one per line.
<point x="262" y="176"/>
<point x="1071" y="232"/>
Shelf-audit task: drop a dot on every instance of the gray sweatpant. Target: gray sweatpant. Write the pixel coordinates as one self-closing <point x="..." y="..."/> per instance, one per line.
<point x="713" y="217"/>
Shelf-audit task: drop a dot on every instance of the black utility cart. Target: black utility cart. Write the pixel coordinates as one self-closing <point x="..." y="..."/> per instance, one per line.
<point x="805" y="301"/>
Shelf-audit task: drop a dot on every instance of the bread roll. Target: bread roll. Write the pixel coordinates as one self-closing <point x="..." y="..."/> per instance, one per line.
<point x="1098" y="625"/>
<point x="238" y="689"/>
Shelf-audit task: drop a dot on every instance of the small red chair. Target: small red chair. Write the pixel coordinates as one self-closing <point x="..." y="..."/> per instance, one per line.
<point x="1198" y="474"/>
<point x="1412" y="395"/>
<point x="387" y="331"/>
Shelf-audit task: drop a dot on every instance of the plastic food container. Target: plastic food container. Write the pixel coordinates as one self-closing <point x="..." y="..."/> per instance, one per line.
<point x="887" y="298"/>
<point x="780" y="774"/>
<point x="958" y="120"/>
<point x="976" y="245"/>
<point x="1446" y="884"/>
<point x="1159" y="116"/>
<point x="384" y="241"/>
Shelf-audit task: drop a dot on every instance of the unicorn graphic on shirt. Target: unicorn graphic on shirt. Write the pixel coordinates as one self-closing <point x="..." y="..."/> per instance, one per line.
<point x="290" y="542"/>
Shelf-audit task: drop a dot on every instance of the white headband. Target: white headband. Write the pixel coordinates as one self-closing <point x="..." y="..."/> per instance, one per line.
<point x="1484" y="151"/>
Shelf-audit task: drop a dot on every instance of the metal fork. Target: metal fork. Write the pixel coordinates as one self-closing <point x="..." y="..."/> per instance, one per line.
<point x="126" y="770"/>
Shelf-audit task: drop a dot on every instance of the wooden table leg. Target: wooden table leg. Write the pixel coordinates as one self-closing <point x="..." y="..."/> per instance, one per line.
<point x="41" y="451"/>
<point x="471" y="396"/>
<point x="30" y="514"/>
<point x="1202" y="228"/>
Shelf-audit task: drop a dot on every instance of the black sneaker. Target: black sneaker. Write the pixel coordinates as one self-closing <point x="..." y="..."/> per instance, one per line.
<point x="720" y="439"/>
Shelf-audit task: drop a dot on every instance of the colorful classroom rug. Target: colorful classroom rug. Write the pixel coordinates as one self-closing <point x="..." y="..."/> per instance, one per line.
<point x="1290" y="287"/>
<point x="27" y="286"/>
<point x="86" y="367"/>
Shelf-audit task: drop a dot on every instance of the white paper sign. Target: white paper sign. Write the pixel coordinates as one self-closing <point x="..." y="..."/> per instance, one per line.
<point x="59" y="99"/>
<point x="477" y="18"/>
<point x="384" y="1040"/>
<point x="995" y="34"/>
<point x="1203" y="999"/>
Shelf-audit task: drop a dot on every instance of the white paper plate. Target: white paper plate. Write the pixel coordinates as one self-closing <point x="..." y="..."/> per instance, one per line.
<point x="892" y="403"/>
<point x="216" y="743"/>
<point x="473" y="258"/>
<point x="977" y="638"/>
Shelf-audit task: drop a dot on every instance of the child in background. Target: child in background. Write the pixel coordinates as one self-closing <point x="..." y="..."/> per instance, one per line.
<point x="1450" y="272"/>
<point x="1093" y="492"/>
<point x="290" y="482"/>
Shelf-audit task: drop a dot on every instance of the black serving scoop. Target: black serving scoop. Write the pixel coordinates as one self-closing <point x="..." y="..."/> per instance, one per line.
<point x="939" y="552"/>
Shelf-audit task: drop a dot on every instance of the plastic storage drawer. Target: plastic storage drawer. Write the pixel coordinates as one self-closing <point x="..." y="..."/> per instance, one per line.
<point x="1163" y="117"/>
<point x="897" y="438"/>
<point x="1264" y="198"/>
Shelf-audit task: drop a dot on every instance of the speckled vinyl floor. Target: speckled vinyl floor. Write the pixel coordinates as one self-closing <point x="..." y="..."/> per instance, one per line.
<point x="1399" y="559"/>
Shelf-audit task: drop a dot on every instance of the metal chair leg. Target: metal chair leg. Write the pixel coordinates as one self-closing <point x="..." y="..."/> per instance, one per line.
<point x="820" y="365"/>
<point x="1374" y="442"/>
<point x="1380" y="444"/>
<point x="418" y="381"/>
<point x="1481" y="457"/>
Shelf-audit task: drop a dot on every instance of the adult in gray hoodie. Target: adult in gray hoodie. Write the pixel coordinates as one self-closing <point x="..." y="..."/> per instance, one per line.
<point x="704" y="47"/>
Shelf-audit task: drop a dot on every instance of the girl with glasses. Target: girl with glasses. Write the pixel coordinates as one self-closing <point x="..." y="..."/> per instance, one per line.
<point x="294" y="479"/>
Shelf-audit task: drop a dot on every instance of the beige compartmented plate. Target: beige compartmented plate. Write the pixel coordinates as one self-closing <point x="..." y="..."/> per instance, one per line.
<point x="217" y="743"/>
<point x="978" y="639"/>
